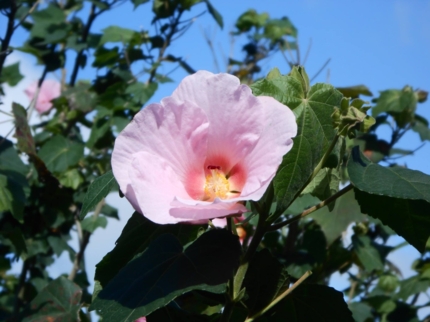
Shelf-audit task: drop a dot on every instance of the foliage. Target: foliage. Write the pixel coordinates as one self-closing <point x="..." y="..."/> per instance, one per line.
<point x="338" y="174"/>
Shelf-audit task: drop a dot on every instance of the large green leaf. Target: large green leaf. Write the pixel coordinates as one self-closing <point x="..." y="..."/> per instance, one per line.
<point x="312" y="302"/>
<point x="333" y="223"/>
<point x="313" y="107"/>
<point x="396" y="182"/>
<point x="60" y="153"/>
<point x="165" y="271"/>
<point x="137" y="234"/>
<point x="408" y="218"/>
<point x="58" y="301"/>
<point x="264" y="278"/>
<point x="97" y="190"/>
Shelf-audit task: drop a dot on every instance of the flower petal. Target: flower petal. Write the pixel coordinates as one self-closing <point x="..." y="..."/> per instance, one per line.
<point x="155" y="185"/>
<point x="233" y="111"/>
<point x="171" y="131"/>
<point x="263" y="161"/>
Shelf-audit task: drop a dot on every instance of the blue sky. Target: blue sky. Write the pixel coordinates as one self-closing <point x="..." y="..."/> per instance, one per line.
<point x="382" y="44"/>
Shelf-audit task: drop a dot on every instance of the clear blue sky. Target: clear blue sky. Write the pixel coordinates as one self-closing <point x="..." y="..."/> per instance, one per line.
<point x="382" y="44"/>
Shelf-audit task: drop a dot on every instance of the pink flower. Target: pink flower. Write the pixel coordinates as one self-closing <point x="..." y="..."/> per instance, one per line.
<point x="49" y="90"/>
<point x="201" y="151"/>
<point x="142" y="319"/>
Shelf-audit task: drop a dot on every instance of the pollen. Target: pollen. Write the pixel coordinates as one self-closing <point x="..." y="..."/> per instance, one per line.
<point x="216" y="184"/>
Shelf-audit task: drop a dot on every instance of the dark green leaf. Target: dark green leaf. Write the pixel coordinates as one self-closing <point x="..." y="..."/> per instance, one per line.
<point x="17" y="239"/>
<point x="396" y="182"/>
<point x="60" y="153"/>
<point x="59" y="301"/>
<point x="412" y="286"/>
<point x="164" y="271"/>
<point x="9" y="159"/>
<point x="137" y="234"/>
<point x="139" y="2"/>
<point x="263" y="280"/>
<point x="361" y="312"/>
<point x="12" y="196"/>
<point x="408" y="218"/>
<point x="215" y="14"/>
<point x="313" y="110"/>
<point x="141" y="92"/>
<point x="324" y="185"/>
<point x="11" y="75"/>
<point x="98" y="190"/>
<point x="110" y="211"/>
<point x="311" y="302"/>
<point x="333" y="223"/>
<point x="382" y="304"/>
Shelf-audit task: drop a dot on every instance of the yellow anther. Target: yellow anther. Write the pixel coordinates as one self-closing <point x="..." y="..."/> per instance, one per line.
<point x="216" y="185"/>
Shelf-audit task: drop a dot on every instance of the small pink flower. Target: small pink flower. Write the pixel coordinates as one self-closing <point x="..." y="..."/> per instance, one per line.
<point x="49" y="90"/>
<point x="203" y="150"/>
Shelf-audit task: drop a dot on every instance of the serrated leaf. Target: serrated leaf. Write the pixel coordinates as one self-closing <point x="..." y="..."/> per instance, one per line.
<point x="215" y="14"/>
<point x="137" y="234"/>
<point x="60" y="153"/>
<point x="313" y="111"/>
<point x="393" y="182"/>
<point x="11" y="75"/>
<point x="97" y="190"/>
<point x="324" y="185"/>
<point x="333" y="223"/>
<point x="408" y="218"/>
<point x="58" y="301"/>
<point x="165" y="271"/>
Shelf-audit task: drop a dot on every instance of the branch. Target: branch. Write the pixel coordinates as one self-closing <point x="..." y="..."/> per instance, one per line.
<point x="19" y="287"/>
<point x="8" y="35"/>
<point x="312" y="209"/>
<point x="85" y="34"/>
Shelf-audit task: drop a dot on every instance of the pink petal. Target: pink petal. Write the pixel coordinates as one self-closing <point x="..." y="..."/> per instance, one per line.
<point x="155" y="184"/>
<point x="49" y="90"/>
<point x="174" y="132"/>
<point x="142" y="319"/>
<point x="274" y="143"/>
<point x="233" y="112"/>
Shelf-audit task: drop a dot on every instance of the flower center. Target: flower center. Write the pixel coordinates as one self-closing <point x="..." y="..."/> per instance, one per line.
<point x="216" y="184"/>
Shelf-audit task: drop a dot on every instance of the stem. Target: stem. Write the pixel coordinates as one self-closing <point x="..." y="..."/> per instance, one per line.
<point x="312" y="209"/>
<point x="8" y="35"/>
<point x="84" y="238"/>
<point x="280" y="297"/>
<point x="85" y="34"/>
<point x="19" y="288"/>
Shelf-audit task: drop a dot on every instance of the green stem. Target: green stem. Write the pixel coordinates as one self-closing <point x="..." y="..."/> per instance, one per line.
<point x="312" y="209"/>
<point x="280" y="297"/>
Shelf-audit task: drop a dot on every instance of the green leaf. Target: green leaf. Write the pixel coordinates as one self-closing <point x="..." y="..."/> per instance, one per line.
<point x="371" y="255"/>
<point x="117" y="34"/>
<point x="324" y="185"/>
<point x="58" y="301"/>
<point x="164" y="271"/>
<point x="91" y="223"/>
<point x="408" y="218"/>
<point x="50" y="15"/>
<point x="333" y="223"/>
<point x="382" y="304"/>
<point x="137" y="234"/>
<point x="312" y="302"/>
<point x="396" y="101"/>
<point x="60" y="153"/>
<point x="22" y="130"/>
<point x="98" y="190"/>
<point x="141" y="92"/>
<point x="11" y="75"/>
<point x="412" y="286"/>
<point x="9" y="159"/>
<point x="313" y="111"/>
<point x="396" y="182"/>
<point x="421" y="127"/>
<point x="361" y="312"/>
<point x="71" y="179"/>
<point x="139" y="2"/>
<point x="355" y="91"/>
<point x="16" y="238"/>
<point x="264" y="278"/>
<point x="215" y="14"/>
<point x="110" y="211"/>
<point x="12" y="196"/>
